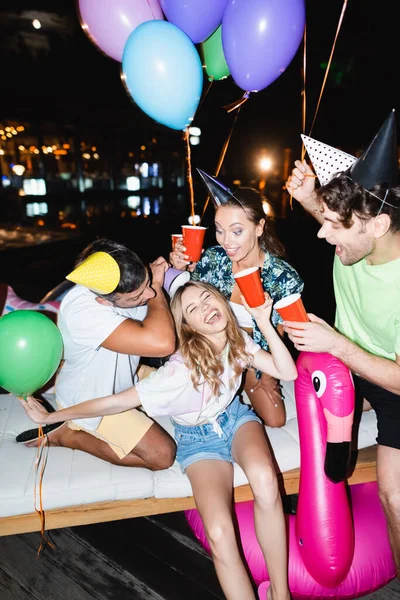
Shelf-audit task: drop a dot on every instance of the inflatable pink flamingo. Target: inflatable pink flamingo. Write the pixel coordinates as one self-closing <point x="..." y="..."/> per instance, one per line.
<point x="338" y="547"/>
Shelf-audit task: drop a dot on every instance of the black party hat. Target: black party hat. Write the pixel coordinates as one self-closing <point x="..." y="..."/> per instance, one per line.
<point x="378" y="163"/>
<point x="219" y="193"/>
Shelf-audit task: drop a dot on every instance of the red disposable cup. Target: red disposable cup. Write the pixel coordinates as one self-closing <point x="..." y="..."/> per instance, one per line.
<point x="174" y="238"/>
<point x="291" y="308"/>
<point x="249" y="282"/>
<point x="193" y="238"/>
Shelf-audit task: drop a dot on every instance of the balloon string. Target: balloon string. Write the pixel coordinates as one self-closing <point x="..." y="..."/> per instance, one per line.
<point x="303" y="100"/>
<point x="238" y="103"/>
<point x="303" y="150"/>
<point x="329" y="62"/>
<point x="303" y="92"/>
<point x="189" y="172"/>
<point x="40" y="465"/>
<point x="222" y="155"/>
<point x="211" y="81"/>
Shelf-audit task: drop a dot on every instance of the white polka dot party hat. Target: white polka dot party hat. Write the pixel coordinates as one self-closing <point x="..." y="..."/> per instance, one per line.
<point x="326" y="160"/>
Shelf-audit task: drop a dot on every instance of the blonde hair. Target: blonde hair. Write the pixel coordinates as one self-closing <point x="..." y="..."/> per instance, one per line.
<point x="199" y="354"/>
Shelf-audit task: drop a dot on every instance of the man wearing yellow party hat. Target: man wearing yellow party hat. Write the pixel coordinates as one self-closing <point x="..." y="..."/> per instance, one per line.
<point x="114" y="314"/>
<point x="359" y="210"/>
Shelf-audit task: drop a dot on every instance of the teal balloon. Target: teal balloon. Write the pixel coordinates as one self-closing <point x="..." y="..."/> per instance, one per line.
<point x="31" y="348"/>
<point x="162" y="71"/>
<point x="214" y="58"/>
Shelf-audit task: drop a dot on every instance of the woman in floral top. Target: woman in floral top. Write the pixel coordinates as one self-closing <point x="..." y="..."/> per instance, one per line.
<point x="246" y="241"/>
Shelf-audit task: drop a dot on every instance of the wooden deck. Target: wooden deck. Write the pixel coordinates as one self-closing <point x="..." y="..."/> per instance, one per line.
<point x="147" y="558"/>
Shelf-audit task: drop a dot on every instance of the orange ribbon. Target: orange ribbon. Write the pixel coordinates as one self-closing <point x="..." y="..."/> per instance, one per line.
<point x="40" y="465"/>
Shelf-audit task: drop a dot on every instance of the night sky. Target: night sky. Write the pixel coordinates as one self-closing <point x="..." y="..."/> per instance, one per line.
<point x="58" y="74"/>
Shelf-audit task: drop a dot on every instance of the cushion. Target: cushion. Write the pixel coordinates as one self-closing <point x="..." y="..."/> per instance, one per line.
<point x="73" y="477"/>
<point x="10" y="301"/>
<point x="13" y="302"/>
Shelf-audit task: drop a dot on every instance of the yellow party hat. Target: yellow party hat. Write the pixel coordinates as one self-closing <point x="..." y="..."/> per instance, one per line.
<point x="99" y="272"/>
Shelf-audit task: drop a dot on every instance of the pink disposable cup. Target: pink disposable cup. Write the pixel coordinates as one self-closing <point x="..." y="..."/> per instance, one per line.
<point x="291" y="308"/>
<point x="193" y="238"/>
<point x="250" y="285"/>
<point x="174" y="238"/>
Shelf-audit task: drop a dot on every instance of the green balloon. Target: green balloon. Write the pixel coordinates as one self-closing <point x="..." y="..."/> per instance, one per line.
<point x="31" y="348"/>
<point x="213" y="56"/>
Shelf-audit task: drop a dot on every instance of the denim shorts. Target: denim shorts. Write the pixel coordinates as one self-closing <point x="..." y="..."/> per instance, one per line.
<point x="201" y="442"/>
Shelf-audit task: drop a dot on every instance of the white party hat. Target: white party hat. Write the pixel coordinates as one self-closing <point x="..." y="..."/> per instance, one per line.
<point x="326" y="160"/>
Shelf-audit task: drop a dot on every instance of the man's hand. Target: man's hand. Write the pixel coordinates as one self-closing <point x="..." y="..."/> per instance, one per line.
<point x="158" y="268"/>
<point x="301" y="183"/>
<point x="35" y="410"/>
<point x="315" y="336"/>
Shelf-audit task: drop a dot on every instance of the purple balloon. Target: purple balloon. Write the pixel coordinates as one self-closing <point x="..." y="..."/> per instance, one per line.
<point x="108" y="23"/>
<point x="197" y="18"/>
<point x="260" y="39"/>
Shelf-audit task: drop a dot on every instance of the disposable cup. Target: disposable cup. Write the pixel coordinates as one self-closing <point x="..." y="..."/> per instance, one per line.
<point x="291" y="308"/>
<point x="173" y="279"/>
<point x="193" y="238"/>
<point x="249" y="282"/>
<point x="174" y="238"/>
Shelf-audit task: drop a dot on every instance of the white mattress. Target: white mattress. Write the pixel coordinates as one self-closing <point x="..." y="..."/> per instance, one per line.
<point x="73" y="477"/>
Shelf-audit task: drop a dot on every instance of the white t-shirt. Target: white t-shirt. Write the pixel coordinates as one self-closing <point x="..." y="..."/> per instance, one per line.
<point x="89" y="370"/>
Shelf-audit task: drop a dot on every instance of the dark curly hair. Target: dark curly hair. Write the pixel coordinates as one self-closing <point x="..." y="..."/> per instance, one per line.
<point x="347" y="198"/>
<point x="252" y="203"/>
<point x="133" y="271"/>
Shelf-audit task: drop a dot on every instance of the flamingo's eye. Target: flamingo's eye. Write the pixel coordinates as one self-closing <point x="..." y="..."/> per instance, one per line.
<point x="319" y="382"/>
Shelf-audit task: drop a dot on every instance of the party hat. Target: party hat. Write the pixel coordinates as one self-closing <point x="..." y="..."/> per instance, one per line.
<point x="219" y="193"/>
<point x="378" y="163"/>
<point x="99" y="272"/>
<point x="326" y="160"/>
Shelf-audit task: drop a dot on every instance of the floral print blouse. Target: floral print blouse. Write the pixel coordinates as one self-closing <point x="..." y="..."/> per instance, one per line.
<point x="278" y="277"/>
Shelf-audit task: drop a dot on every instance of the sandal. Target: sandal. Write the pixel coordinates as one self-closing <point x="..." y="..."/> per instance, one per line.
<point x="31" y="435"/>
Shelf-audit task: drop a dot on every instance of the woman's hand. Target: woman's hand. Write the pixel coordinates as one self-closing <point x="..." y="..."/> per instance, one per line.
<point x="178" y="258"/>
<point x="35" y="410"/>
<point x="260" y="313"/>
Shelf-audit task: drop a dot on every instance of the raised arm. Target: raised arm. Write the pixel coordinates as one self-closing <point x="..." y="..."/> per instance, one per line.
<point x="155" y="335"/>
<point x="301" y="185"/>
<point x="278" y="362"/>
<point x="99" y="407"/>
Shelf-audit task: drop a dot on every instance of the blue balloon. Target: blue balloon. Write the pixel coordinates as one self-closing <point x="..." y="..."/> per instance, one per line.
<point x="162" y="71"/>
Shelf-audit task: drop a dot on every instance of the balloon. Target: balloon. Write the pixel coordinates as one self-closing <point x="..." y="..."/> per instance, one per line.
<point x="162" y="71"/>
<point x="213" y="56"/>
<point x="108" y="23"/>
<point x="30" y="351"/>
<point x="260" y="38"/>
<point x="197" y="18"/>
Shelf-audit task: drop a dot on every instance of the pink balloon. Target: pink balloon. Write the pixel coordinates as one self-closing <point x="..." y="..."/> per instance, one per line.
<point x="108" y="23"/>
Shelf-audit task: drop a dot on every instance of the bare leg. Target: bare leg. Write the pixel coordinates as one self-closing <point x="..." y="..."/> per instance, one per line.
<point x="212" y="484"/>
<point x="250" y="450"/>
<point x="156" y="450"/>
<point x="265" y="398"/>
<point x="388" y="476"/>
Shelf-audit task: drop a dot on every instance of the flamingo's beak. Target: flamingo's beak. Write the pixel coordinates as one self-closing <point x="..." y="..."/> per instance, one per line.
<point x="337" y="460"/>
